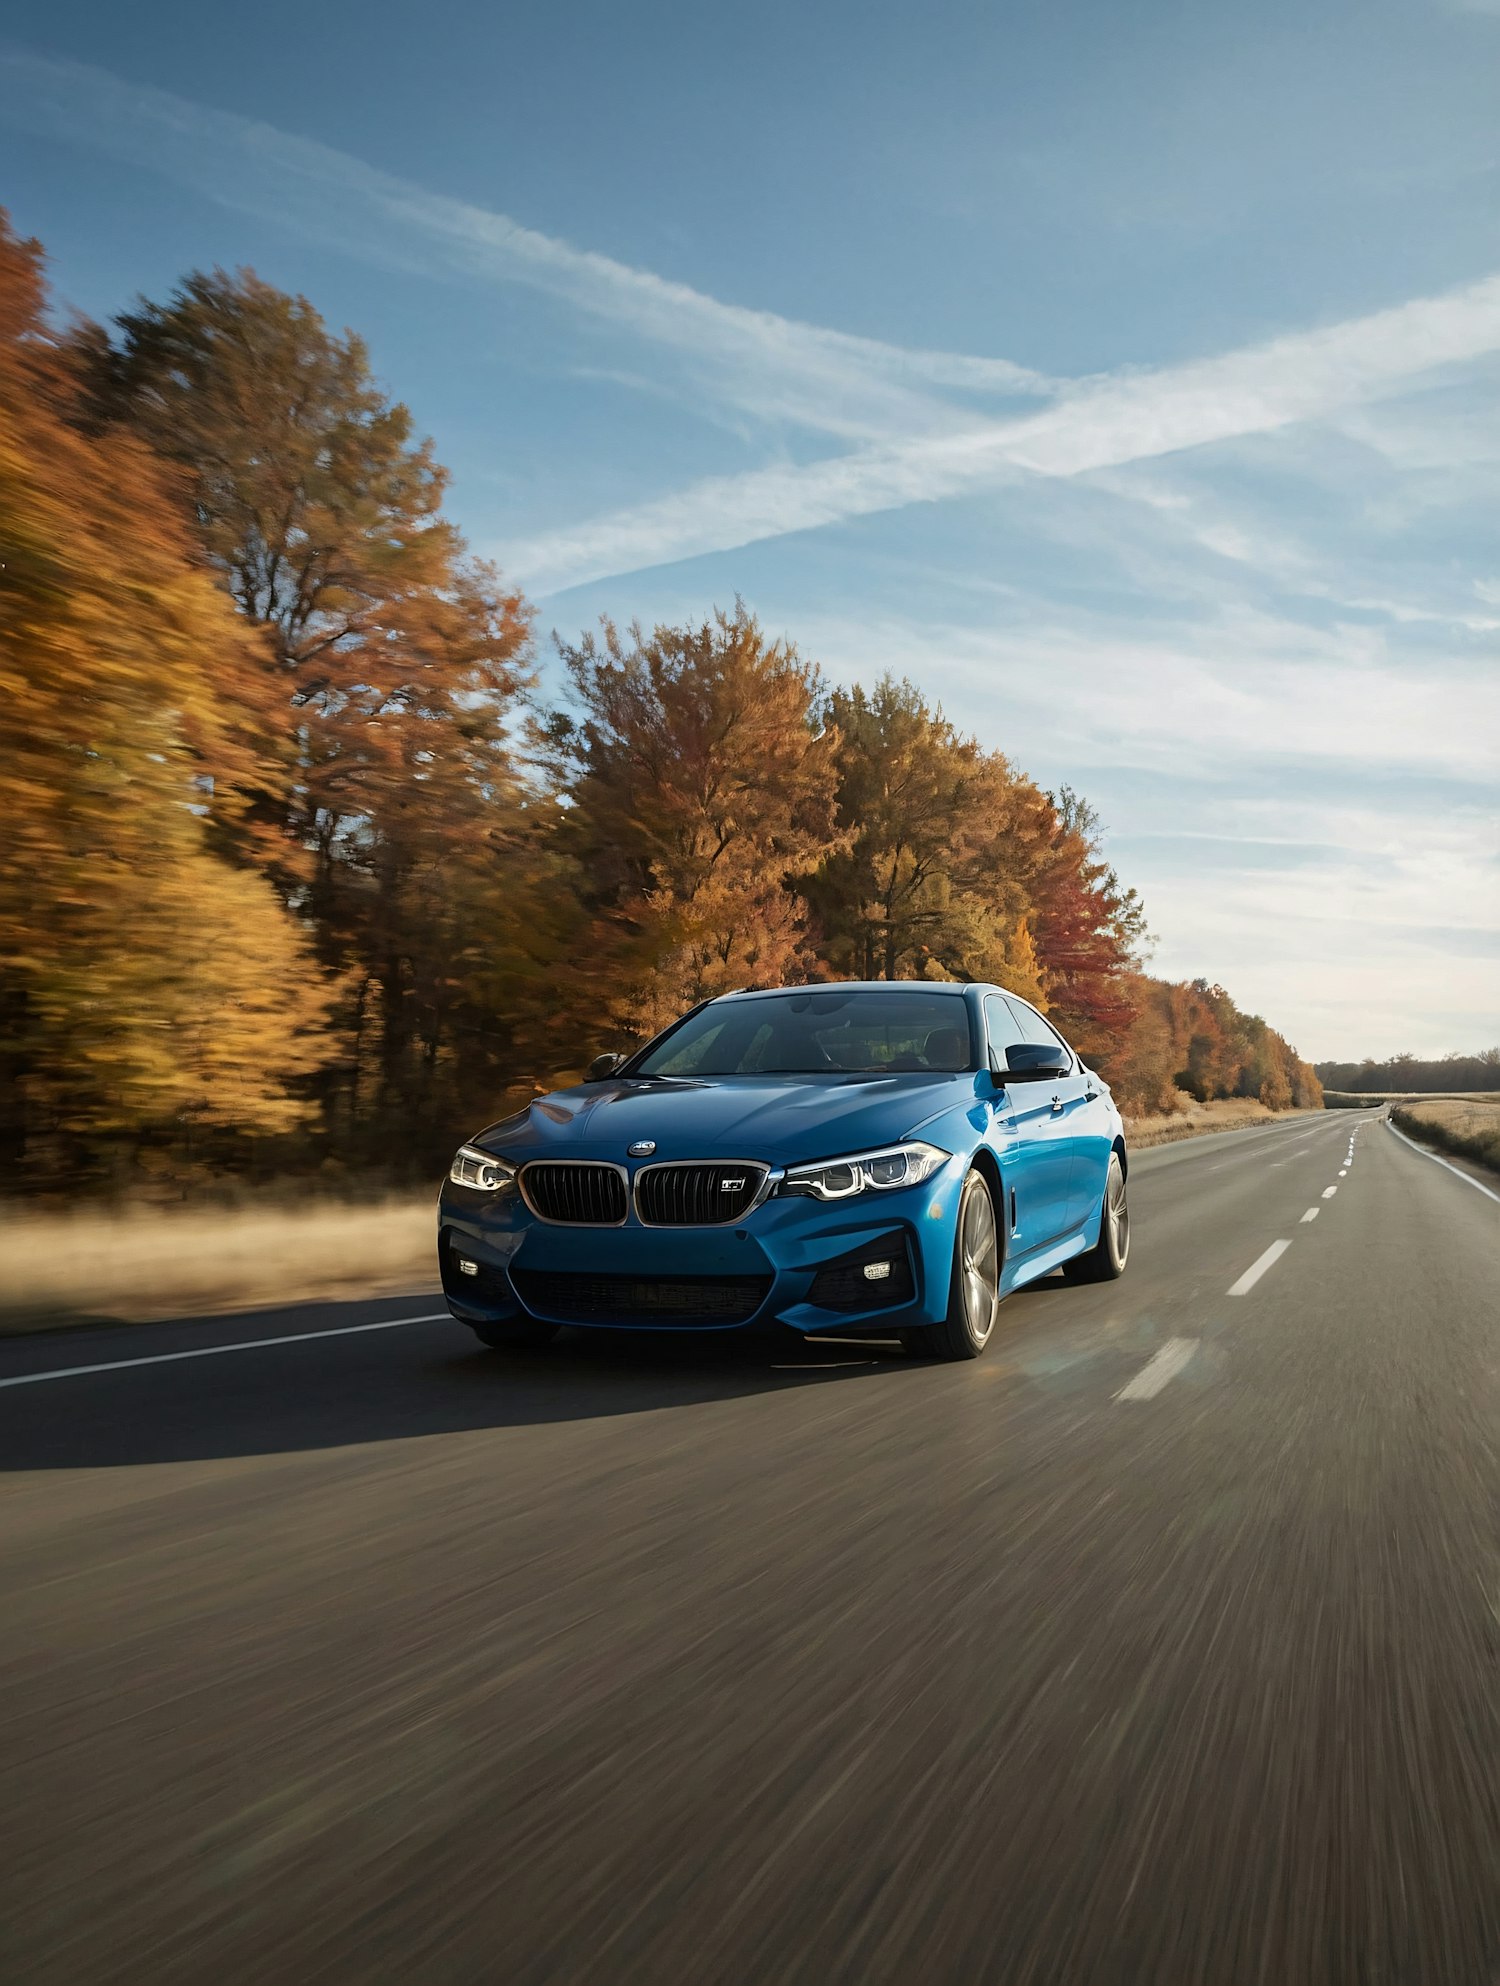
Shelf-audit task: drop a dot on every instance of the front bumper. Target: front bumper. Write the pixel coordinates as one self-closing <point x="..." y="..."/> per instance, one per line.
<point x="794" y="1261"/>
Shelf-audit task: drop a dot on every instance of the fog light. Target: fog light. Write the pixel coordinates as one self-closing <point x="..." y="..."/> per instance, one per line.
<point x="466" y="1267"/>
<point x="877" y="1272"/>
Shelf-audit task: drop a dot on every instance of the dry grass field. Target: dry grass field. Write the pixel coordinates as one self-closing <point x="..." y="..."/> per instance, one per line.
<point x="1468" y="1126"/>
<point x="1229" y="1113"/>
<point x="105" y="1266"/>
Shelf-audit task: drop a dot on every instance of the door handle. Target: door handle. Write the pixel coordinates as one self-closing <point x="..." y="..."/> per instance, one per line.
<point x="1057" y="1105"/>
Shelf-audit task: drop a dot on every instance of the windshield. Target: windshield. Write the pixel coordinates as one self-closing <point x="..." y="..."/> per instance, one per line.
<point x="817" y="1032"/>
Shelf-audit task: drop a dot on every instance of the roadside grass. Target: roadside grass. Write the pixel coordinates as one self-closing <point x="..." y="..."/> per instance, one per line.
<point x="1228" y="1113"/>
<point x="129" y="1266"/>
<point x="1467" y="1126"/>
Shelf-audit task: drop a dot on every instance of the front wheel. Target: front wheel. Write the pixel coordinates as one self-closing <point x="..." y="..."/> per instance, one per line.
<point x="974" y="1291"/>
<point x="1108" y="1256"/>
<point x="529" y="1335"/>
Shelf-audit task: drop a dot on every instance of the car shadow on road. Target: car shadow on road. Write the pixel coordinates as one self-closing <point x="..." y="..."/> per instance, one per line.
<point x="390" y="1386"/>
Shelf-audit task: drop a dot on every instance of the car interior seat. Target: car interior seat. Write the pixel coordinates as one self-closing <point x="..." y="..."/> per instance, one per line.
<point x="947" y="1048"/>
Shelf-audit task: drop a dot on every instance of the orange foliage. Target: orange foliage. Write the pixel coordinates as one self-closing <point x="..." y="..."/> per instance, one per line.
<point x="940" y="837"/>
<point x="699" y="783"/>
<point x="1190" y="1040"/>
<point x="146" y="984"/>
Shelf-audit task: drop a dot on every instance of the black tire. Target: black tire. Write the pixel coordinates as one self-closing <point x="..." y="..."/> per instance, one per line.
<point x="529" y="1335"/>
<point x="974" y="1288"/>
<point x="1107" y="1258"/>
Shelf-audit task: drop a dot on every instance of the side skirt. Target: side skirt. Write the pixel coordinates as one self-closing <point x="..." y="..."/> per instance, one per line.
<point x="1045" y="1260"/>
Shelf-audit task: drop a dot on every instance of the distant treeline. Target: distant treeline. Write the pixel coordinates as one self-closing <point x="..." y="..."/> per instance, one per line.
<point x="301" y="873"/>
<point x="1411" y="1073"/>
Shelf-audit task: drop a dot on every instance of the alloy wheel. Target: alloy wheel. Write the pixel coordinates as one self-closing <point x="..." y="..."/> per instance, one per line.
<point x="1117" y="1213"/>
<point x="979" y="1261"/>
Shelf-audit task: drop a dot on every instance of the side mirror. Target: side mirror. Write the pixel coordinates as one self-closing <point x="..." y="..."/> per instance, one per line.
<point x="602" y="1066"/>
<point x="1035" y="1062"/>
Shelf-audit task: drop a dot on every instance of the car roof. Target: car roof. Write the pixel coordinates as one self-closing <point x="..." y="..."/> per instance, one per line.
<point x="955" y="987"/>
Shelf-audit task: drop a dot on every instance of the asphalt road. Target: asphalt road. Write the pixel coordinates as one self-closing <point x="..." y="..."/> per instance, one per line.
<point x="1158" y="1646"/>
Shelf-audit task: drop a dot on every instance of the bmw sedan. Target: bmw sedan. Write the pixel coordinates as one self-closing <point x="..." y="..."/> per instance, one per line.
<point x="864" y="1158"/>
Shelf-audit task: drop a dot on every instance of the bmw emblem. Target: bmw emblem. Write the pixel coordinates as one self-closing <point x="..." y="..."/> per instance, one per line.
<point x="642" y="1148"/>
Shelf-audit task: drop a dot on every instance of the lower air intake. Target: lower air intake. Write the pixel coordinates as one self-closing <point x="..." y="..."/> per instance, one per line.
<point x="572" y="1298"/>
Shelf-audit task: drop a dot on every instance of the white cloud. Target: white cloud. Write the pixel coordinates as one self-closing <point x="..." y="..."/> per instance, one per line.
<point x="825" y="380"/>
<point x="1097" y="424"/>
<point x="1203" y="518"/>
<point x="1236" y="691"/>
<point x="1260" y="734"/>
<point x="913" y="444"/>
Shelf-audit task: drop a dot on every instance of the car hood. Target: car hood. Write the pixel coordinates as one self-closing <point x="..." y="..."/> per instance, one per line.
<point x="779" y="1119"/>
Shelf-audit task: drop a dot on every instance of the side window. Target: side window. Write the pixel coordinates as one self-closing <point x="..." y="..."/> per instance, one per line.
<point x="1034" y="1028"/>
<point x="1001" y="1028"/>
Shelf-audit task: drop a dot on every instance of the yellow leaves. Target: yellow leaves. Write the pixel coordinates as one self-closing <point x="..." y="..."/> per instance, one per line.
<point x="152" y="978"/>
<point x="1020" y="969"/>
<point x="700" y="783"/>
<point x="180" y="992"/>
<point x="940" y="835"/>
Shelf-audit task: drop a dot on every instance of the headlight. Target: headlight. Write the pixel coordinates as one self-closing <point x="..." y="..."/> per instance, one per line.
<point x="879" y="1171"/>
<point x="480" y="1171"/>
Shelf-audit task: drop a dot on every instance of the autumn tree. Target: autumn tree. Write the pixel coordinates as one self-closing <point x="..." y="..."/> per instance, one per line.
<point x="700" y="784"/>
<point x="1089" y="930"/>
<point x="1189" y="1041"/>
<point x="1144" y="1063"/>
<point x="392" y="819"/>
<point x="933" y="879"/>
<point x="147" y="985"/>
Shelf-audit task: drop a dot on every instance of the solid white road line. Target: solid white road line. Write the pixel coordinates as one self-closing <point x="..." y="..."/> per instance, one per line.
<point x="1151" y="1378"/>
<point x="1258" y="1268"/>
<point x="213" y="1351"/>
<point x="1310" y="1215"/>
<point x="1457" y="1171"/>
<point x="1329" y="1191"/>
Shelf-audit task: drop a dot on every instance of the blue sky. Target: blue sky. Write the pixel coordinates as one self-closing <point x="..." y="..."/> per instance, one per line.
<point x="1126" y="377"/>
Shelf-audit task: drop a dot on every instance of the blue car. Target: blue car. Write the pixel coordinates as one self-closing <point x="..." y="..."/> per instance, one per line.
<point x="862" y="1158"/>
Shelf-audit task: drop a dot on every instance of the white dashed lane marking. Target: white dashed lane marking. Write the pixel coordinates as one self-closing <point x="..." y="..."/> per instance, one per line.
<point x="1167" y="1363"/>
<point x="1329" y="1191"/>
<point x="1310" y="1215"/>
<point x="1258" y="1268"/>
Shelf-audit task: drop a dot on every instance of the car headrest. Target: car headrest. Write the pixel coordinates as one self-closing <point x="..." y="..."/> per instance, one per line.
<point x="947" y="1048"/>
